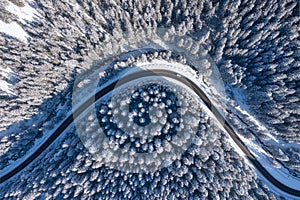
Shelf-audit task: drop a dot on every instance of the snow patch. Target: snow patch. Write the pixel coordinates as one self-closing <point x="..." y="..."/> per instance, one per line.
<point x="6" y="72"/>
<point x="9" y="77"/>
<point x="6" y="87"/>
<point x="14" y="29"/>
<point x="26" y="13"/>
<point x="244" y="110"/>
<point x="254" y="148"/>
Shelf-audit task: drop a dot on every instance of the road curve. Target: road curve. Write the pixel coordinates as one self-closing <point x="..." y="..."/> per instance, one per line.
<point x="155" y="72"/>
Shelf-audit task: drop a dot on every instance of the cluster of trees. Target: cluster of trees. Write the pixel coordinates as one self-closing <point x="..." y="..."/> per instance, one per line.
<point x="253" y="44"/>
<point x="208" y="169"/>
<point x="259" y="54"/>
<point x="44" y="70"/>
<point x="263" y="62"/>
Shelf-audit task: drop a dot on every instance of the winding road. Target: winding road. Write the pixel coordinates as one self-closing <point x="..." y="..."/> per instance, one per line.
<point x="157" y="72"/>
